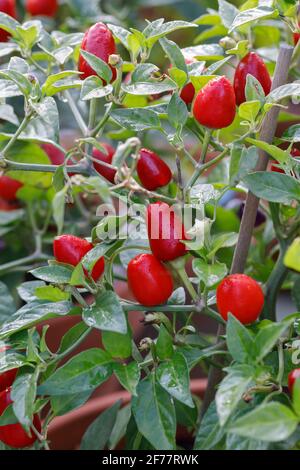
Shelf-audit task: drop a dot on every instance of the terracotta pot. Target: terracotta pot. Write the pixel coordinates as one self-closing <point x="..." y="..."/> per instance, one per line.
<point x="65" y="432"/>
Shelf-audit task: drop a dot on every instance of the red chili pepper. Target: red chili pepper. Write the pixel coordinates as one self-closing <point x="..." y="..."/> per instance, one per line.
<point x="9" y="188"/>
<point x="98" y="40"/>
<point x="70" y="250"/>
<point x="292" y="377"/>
<point x="214" y="106"/>
<point x="56" y="156"/>
<point x="107" y="173"/>
<point x="14" y="435"/>
<point x="241" y="296"/>
<point x="294" y="153"/>
<point x="296" y="36"/>
<point x="6" y="206"/>
<point x="165" y="232"/>
<point x="251" y="64"/>
<point x="7" y="378"/>
<point x="42" y="8"/>
<point x="149" y="280"/>
<point x="152" y="170"/>
<point x="188" y="92"/>
<point x="8" y="7"/>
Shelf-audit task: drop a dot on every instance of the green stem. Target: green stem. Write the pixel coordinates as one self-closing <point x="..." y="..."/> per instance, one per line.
<point x="101" y="124"/>
<point x="26" y="260"/>
<point x="131" y="307"/>
<point x="59" y="357"/>
<point x="198" y="169"/>
<point x="273" y="285"/>
<point x="280" y="363"/>
<point x="76" y="169"/>
<point x="19" y="131"/>
<point x="187" y="283"/>
<point x="76" y="113"/>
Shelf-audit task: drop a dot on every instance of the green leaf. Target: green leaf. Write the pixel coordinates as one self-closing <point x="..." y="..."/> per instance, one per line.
<point x="284" y="91"/>
<point x="292" y="134"/>
<point x="173" y="376"/>
<point x="214" y="31"/>
<point x="106" y="314"/>
<point x="98" y="65"/>
<point x="154" y="413"/>
<point x="120" y="33"/>
<point x="8" y="416"/>
<point x="118" y="345"/>
<point x="239" y="341"/>
<point x="23" y="395"/>
<point x="9" y="24"/>
<point x="158" y="29"/>
<point x="149" y="88"/>
<point x="58" y="205"/>
<point x="27" y="290"/>
<point x="174" y="54"/>
<point x="231" y="390"/>
<point x="252" y="14"/>
<point x="274" y="187"/>
<point x="267" y="338"/>
<point x="209" y="274"/>
<point x="136" y="119"/>
<point x="164" y="344"/>
<point x="227" y="12"/>
<point x="57" y="83"/>
<point x="205" y="52"/>
<point x="19" y="80"/>
<point x="177" y="111"/>
<point x="51" y="293"/>
<point x="280" y="155"/>
<point x="63" y="404"/>
<point x="208" y="19"/>
<point x="32" y="314"/>
<point x="7" y="306"/>
<point x="120" y="427"/>
<point x="46" y="125"/>
<point x="92" y="87"/>
<point x="292" y="256"/>
<point x="253" y="89"/>
<point x="11" y="360"/>
<point x="85" y="371"/>
<point x="243" y="160"/>
<point x="271" y="422"/>
<point x="249" y="110"/>
<point x="98" y="433"/>
<point x="128" y="375"/>
<point x="209" y="433"/>
<point x="55" y="274"/>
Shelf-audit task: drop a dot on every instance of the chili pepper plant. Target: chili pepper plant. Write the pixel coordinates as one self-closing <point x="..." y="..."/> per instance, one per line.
<point x="135" y="200"/>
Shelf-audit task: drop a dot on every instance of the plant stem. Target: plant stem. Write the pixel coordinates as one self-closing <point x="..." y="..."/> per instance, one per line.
<point x="19" y="131"/>
<point x="187" y="283"/>
<point x="76" y="169"/>
<point x="273" y="285"/>
<point x="158" y="308"/>
<point x="19" y="262"/>
<point x="198" y="168"/>
<point x="76" y="113"/>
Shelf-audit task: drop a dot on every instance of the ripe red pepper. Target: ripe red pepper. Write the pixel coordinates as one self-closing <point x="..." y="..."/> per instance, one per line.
<point x="294" y="153"/>
<point x="98" y="40"/>
<point x="6" y="206"/>
<point x="292" y="377"/>
<point x="165" y="232"/>
<point x="70" y="250"/>
<point x="188" y="91"/>
<point x="107" y="173"/>
<point x="254" y="65"/>
<point x="7" y="378"/>
<point x="9" y="188"/>
<point x="149" y="280"/>
<point x="241" y="296"/>
<point x="56" y="156"/>
<point x="296" y="36"/>
<point x="8" y="7"/>
<point x="42" y="8"/>
<point x="14" y="435"/>
<point x="152" y="170"/>
<point x="214" y="106"/>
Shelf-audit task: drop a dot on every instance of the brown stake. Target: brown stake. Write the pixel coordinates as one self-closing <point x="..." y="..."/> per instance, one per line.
<point x="249" y="216"/>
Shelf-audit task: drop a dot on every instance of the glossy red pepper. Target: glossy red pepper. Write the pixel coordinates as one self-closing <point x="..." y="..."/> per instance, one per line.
<point x="70" y="250"/>
<point x="42" y="8"/>
<point x="56" y="156"/>
<point x="6" y="206"/>
<point x="98" y="40"/>
<point x="9" y="188"/>
<point x="188" y="91"/>
<point x="292" y="377"/>
<point x="251" y="64"/>
<point x="107" y="173"/>
<point x="14" y="435"/>
<point x="149" y="280"/>
<point x="241" y="296"/>
<point x="214" y="106"/>
<point x="7" y="378"/>
<point x="8" y="7"/>
<point x="152" y="170"/>
<point x="296" y="36"/>
<point x="294" y="153"/>
<point x="165" y="232"/>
